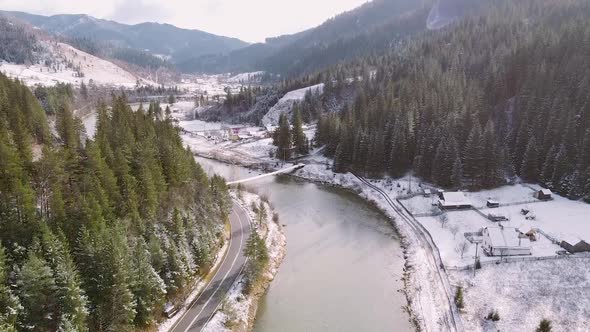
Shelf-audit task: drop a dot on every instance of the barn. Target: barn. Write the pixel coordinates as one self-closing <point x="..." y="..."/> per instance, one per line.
<point x="505" y="241"/>
<point x="453" y="201"/>
<point x="544" y="195"/>
<point x="575" y="245"/>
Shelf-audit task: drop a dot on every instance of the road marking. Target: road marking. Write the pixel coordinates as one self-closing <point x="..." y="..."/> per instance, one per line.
<point x="241" y="270"/>
<point x="208" y="283"/>
<point x="221" y="282"/>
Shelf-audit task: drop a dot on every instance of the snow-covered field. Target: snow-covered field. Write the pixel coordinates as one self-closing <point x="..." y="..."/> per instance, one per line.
<point x="246" y="77"/>
<point x="285" y="104"/>
<point x="524" y="293"/>
<point x="102" y="72"/>
<point x="237" y="308"/>
<point x="561" y="219"/>
<point x="451" y="242"/>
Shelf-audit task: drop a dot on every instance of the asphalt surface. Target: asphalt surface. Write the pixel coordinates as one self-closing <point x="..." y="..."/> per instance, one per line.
<point x="205" y="305"/>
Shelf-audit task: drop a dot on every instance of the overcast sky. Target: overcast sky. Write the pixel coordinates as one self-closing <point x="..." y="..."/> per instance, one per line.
<point x="249" y="20"/>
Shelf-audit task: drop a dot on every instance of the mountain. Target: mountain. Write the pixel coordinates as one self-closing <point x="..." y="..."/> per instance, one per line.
<point x="372" y="27"/>
<point x="158" y="39"/>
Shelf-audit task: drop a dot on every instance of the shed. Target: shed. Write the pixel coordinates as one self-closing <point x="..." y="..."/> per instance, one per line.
<point x="492" y="203"/>
<point x="453" y="201"/>
<point x="505" y="241"/>
<point x="544" y="194"/>
<point x="497" y="217"/>
<point x="575" y="245"/>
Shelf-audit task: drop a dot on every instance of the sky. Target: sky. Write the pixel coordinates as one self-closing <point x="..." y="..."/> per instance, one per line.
<point x="249" y="20"/>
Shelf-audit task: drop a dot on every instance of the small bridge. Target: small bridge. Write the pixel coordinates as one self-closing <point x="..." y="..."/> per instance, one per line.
<point x="282" y="171"/>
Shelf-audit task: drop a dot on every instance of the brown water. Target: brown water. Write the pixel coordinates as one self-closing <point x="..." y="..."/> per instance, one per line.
<point x="343" y="265"/>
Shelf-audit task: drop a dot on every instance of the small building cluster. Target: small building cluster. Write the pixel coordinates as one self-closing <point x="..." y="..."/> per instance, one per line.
<point x="505" y="241"/>
<point x="453" y="201"/>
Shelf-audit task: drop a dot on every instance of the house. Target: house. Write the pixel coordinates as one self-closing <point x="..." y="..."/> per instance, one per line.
<point x="497" y="217"/>
<point x="544" y="195"/>
<point x="575" y="245"/>
<point x="505" y="241"/>
<point x="492" y="204"/>
<point x="453" y="201"/>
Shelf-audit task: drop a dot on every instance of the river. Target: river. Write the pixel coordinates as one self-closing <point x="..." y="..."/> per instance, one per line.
<point x="343" y="265"/>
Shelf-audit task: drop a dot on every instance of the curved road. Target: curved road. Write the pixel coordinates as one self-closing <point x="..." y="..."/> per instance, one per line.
<point x="210" y="298"/>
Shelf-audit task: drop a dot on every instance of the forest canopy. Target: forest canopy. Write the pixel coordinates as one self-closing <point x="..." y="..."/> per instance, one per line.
<point x="501" y="94"/>
<point x="98" y="235"/>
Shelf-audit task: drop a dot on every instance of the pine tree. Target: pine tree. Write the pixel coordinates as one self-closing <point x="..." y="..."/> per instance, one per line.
<point x="38" y="293"/>
<point x="544" y="326"/>
<point x="473" y="157"/>
<point x="457" y="176"/>
<point x="529" y="171"/>
<point x="9" y="303"/>
<point x="148" y="287"/>
<point x="299" y="138"/>
<point x="283" y="138"/>
<point x="257" y="254"/>
<point x="71" y="301"/>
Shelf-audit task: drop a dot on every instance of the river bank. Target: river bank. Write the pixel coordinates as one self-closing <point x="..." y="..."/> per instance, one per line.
<point x="238" y="311"/>
<point x="422" y="287"/>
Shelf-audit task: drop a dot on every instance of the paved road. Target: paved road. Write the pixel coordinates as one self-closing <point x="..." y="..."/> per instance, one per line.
<point x="203" y="308"/>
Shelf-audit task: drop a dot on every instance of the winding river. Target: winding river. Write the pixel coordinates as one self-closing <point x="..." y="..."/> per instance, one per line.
<point x="343" y="265"/>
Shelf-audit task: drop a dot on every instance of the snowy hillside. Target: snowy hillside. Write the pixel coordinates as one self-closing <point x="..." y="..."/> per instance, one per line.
<point x="246" y="77"/>
<point x="60" y="64"/>
<point x="285" y="104"/>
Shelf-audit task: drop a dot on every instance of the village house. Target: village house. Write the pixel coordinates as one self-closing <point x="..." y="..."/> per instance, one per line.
<point x="453" y="201"/>
<point x="575" y="245"/>
<point x="505" y="241"/>
<point x="544" y="195"/>
<point x="492" y="203"/>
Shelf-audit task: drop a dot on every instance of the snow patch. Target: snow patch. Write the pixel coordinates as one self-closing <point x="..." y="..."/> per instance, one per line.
<point x="285" y="104"/>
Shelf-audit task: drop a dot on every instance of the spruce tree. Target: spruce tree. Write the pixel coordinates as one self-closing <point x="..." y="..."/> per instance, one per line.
<point x="283" y="138"/>
<point x="473" y="157"/>
<point x="299" y="138"/>
<point x="71" y="300"/>
<point x="9" y="303"/>
<point x="38" y="294"/>
<point x="148" y="288"/>
<point x="529" y="171"/>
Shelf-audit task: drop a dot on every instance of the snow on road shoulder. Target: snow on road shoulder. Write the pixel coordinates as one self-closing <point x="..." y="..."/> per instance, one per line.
<point x="238" y="310"/>
<point x="167" y="325"/>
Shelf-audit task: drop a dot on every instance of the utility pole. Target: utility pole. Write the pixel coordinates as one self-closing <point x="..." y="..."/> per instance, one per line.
<point x="475" y="261"/>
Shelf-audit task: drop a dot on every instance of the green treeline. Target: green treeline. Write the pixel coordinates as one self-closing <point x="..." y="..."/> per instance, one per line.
<point x="494" y="96"/>
<point x="98" y="235"/>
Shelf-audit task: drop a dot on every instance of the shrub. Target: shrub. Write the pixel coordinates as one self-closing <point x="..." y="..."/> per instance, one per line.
<point x="459" y="298"/>
<point x="493" y="316"/>
<point x="544" y="326"/>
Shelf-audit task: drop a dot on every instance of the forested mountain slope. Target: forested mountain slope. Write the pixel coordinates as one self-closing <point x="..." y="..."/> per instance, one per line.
<point x="98" y="235"/>
<point x="373" y="27"/>
<point x="153" y="38"/>
<point x="505" y="93"/>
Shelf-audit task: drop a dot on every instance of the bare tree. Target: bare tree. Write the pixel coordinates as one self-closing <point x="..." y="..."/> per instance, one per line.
<point x="454" y="230"/>
<point x="462" y="247"/>
<point x="444" y="219"/>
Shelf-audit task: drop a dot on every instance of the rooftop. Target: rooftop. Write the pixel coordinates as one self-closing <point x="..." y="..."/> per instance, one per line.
<point x="506" y="237"/>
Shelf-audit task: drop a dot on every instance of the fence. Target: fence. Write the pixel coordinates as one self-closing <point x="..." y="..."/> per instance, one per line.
<point x="519" y="259"/>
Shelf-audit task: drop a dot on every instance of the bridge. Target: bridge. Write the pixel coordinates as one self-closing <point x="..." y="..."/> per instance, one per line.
<point x="281" y="171"/>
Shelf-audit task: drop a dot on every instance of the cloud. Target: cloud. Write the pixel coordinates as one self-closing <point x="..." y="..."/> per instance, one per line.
<point x="137" y="11"/>
<point x="249" y="20"/>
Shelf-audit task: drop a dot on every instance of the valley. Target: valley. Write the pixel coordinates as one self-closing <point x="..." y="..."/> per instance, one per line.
<point x="403" y="166"/>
